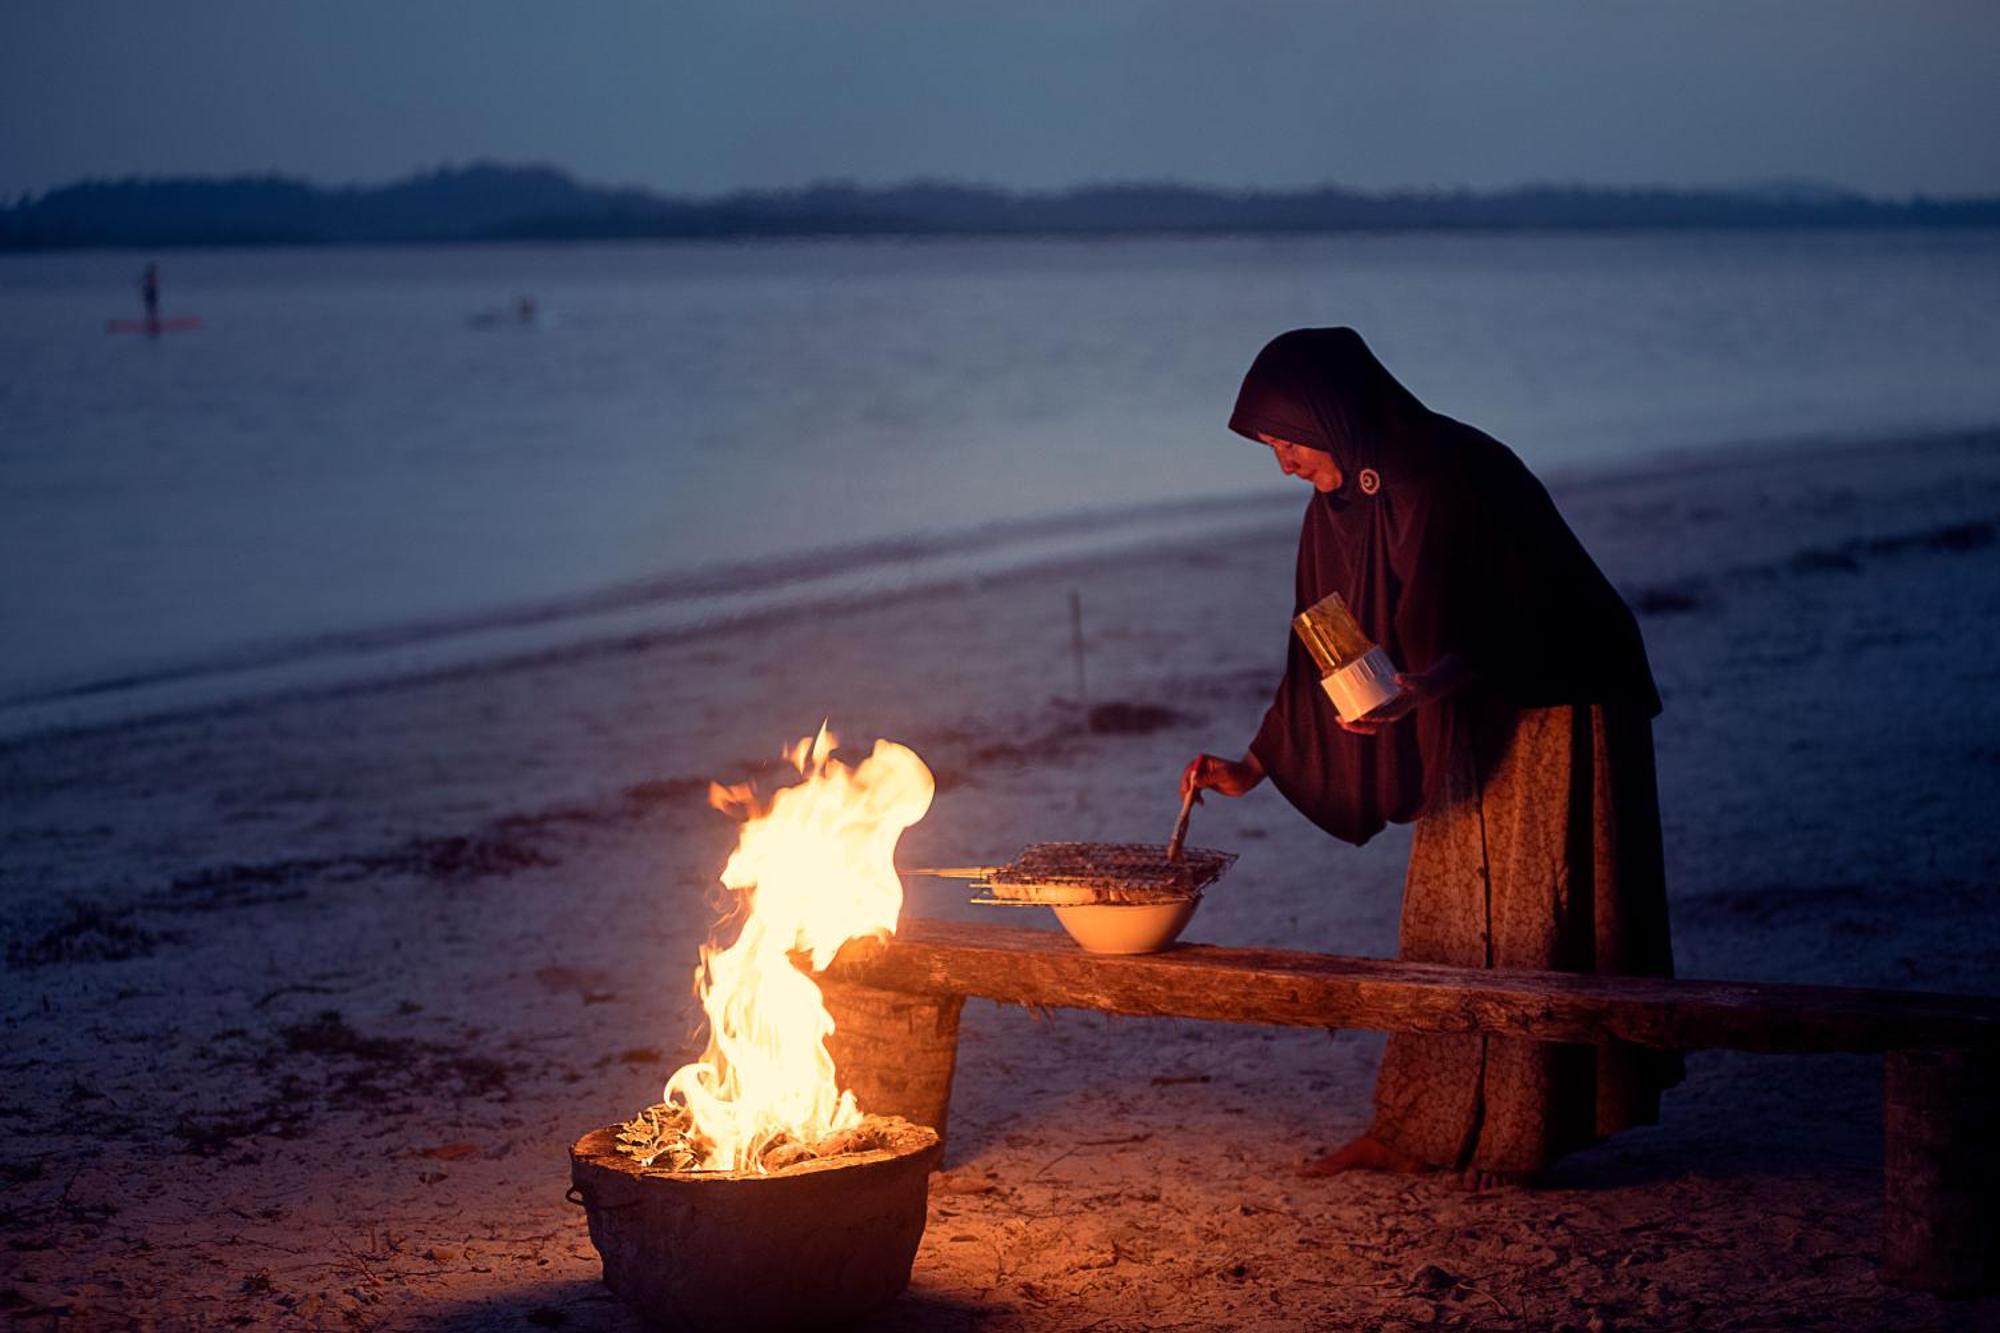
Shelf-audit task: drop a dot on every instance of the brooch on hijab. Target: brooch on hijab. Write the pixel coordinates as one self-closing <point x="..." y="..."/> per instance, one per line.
<point x="1371" y="481"/>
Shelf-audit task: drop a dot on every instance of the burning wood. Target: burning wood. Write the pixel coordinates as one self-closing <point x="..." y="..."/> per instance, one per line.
<point x="662" y="1130"/>
<point x="663" y="1135"/>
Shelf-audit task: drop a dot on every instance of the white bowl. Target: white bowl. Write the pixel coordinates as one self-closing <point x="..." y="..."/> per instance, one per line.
<point x="1127" y="927"/>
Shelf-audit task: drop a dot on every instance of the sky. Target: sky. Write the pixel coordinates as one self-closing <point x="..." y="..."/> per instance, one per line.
<point x="687" y="97"/>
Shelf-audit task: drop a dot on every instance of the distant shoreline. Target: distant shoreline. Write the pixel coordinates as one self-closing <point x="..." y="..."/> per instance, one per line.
<point x="237" y="243"/>
<point x="491" y="204"/>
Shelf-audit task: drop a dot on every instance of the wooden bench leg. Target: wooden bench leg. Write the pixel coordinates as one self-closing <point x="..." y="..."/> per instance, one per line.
<point x="1941" y="1171"/>
<point x="896" y="1052"/>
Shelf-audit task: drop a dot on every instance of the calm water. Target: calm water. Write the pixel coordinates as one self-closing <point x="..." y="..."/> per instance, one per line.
<point x="341" y="473"/>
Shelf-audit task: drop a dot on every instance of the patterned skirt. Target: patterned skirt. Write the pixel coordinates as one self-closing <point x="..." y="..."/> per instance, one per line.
<point x="1542" y="851"/>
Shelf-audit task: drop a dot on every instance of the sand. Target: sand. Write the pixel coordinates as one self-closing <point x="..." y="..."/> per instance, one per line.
<point x="304" y="1000"/>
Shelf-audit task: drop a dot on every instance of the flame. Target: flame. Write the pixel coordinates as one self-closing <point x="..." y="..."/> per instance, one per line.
<point x="814" y="869"/>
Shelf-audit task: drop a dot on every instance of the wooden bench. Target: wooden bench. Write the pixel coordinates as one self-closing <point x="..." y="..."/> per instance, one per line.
<point x="896" y="1006"/>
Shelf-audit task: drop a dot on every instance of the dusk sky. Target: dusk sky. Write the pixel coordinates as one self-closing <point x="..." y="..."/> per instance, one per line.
<point x="1890" y="98"/>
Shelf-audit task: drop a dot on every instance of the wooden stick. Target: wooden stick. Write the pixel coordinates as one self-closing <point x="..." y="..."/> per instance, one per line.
<point x="1179" y="838"/>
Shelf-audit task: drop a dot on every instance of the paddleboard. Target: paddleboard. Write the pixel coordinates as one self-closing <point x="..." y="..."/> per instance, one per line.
<point x="177" y="324"/>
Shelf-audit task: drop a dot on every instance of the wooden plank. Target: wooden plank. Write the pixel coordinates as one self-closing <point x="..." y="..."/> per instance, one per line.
<point x="1284" y="987"/>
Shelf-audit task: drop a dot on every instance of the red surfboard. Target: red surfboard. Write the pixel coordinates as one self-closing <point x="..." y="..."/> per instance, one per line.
<point x="178" y="324"/>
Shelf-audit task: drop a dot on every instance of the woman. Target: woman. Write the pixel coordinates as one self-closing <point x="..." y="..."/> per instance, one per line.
<point x="1521" y="745"/>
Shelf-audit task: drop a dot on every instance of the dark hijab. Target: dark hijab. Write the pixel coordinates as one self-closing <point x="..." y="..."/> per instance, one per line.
<point x="1441" y="542"/>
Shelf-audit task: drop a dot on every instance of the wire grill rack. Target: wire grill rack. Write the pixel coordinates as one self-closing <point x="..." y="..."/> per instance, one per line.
<point x="1070" y="873"/>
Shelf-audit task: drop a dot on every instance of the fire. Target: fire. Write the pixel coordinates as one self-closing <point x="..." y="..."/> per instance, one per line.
<point x="814" y="869"/>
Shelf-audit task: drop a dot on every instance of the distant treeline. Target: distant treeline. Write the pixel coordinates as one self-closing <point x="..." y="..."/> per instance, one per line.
<point x="492" y="202"/>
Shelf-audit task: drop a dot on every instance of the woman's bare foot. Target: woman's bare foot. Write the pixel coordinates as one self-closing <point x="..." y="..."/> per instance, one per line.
<point x="1484" y="1182"/>
<point x="1366" y="1153"/>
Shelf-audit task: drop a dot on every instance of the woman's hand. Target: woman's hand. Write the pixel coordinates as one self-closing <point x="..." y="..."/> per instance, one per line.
<point x="1417" y="688"/>
<point x="1413" y="693"/>
<point x="1230" y="777"/>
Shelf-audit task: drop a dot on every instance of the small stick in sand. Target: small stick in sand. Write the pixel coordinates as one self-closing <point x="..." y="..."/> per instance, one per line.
<point x="1076" y="647"/>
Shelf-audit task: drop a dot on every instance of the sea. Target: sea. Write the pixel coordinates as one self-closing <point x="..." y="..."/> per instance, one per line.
<point x="365" y="463"/>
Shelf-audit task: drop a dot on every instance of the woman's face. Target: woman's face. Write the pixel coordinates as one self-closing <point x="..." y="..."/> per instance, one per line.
<point x="1310" y="465"/>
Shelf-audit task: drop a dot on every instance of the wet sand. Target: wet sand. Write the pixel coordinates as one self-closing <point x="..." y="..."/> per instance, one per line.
<point x="305" y="999"/>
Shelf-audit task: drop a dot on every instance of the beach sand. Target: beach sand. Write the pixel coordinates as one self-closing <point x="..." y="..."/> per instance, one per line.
<point x="306" y="999"/>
